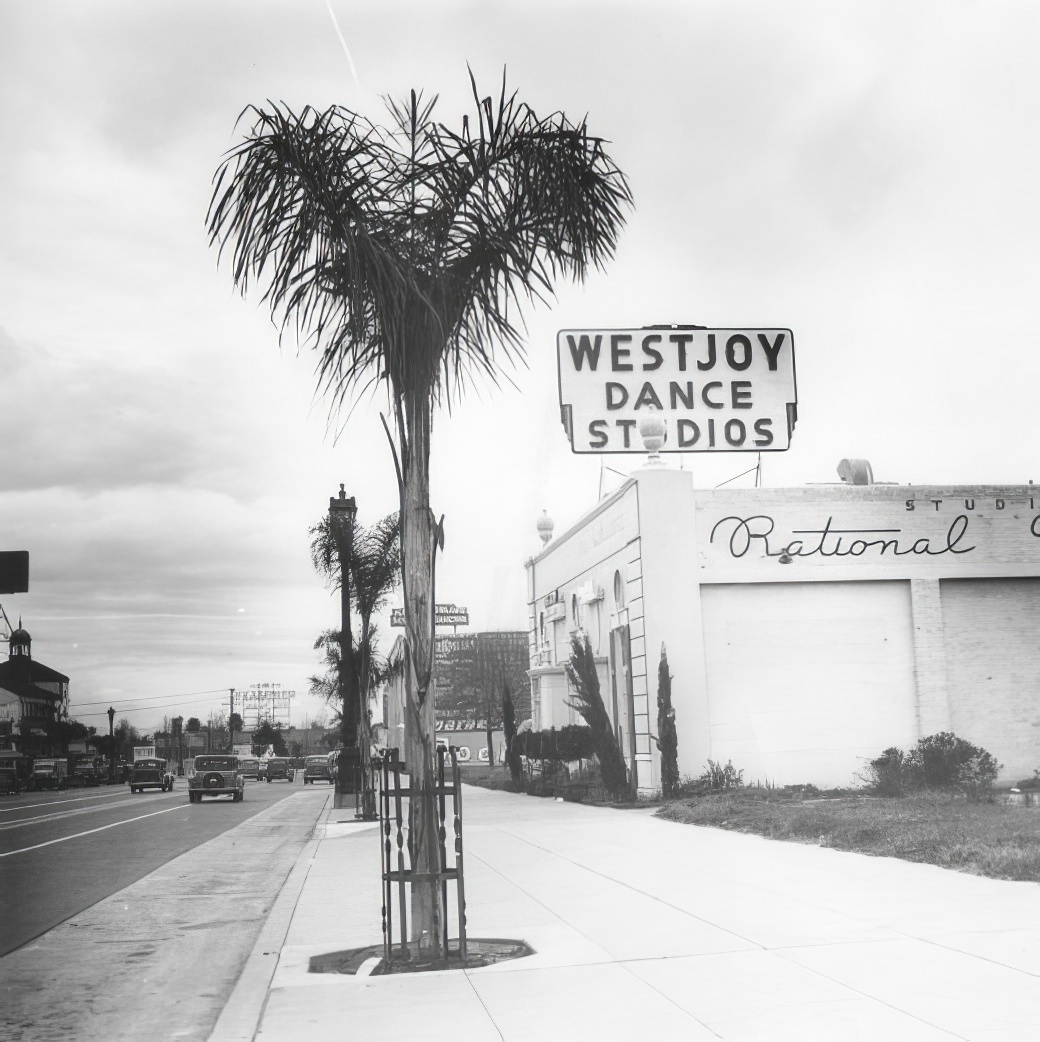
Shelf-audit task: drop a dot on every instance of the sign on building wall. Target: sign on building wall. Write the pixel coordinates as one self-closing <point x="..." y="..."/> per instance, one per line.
<point x="881" y="529"/>
<point x="718" y="390"/>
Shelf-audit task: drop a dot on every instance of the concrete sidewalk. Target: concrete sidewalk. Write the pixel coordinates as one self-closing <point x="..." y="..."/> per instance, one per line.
<point x="647" y="928"/>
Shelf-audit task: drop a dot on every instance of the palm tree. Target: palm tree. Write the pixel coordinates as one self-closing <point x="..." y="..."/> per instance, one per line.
<point x="373" y="564"/>
<point x="401" y="256"/>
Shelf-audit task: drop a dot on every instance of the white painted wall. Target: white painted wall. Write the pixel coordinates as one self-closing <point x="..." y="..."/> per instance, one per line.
<point x="990" y="631"/>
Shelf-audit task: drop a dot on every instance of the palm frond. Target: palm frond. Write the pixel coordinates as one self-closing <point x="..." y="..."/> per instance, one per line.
<point x="404" y="254"/>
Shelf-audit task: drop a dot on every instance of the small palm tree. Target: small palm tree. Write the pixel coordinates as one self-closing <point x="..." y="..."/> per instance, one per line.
<point x="401" y="255"/>
<point x="373" y="565"/>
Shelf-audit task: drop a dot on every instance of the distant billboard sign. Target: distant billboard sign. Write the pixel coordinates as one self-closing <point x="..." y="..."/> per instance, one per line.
<point x="264" y="696"/>
<point x="445" y="615"/>
<point x="14" y="571"/>
<point x="717" y="390"/>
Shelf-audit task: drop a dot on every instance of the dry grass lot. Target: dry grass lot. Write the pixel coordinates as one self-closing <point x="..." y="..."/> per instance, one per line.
<point x="989" y="838"/>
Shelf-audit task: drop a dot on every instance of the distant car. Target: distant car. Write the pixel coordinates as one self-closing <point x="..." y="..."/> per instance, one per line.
<point x="279" y="768"/>
<point x="150" y="774"/>
<point x="49" y="773"/>
<point x="250" y="768"/>
<point x="10" y="783"/>
<point x="317" y="768"/>
<point x="86" y="773"/>
<point x="216" y="775"/>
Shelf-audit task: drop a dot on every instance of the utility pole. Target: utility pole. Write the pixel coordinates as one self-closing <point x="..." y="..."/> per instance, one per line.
<point x="230" y="724"/>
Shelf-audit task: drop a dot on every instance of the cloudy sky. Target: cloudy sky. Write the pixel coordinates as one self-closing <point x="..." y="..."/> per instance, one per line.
<point x="863" y="173"/>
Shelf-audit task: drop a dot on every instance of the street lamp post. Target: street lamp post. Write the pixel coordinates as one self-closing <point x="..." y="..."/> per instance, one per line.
<point x="342" y="512"/>
<point x="111" y="747"/>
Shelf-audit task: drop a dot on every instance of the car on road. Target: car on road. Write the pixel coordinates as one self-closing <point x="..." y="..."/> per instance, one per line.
<point x="317" y="768"/>
<point x="216" y="775"/>
<point x="150" y="773"/>
<point x="280" y="768"/>
<point x="250" y="768"/>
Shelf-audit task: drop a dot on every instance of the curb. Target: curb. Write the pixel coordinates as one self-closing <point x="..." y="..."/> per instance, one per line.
<point x="240" y="1018"/>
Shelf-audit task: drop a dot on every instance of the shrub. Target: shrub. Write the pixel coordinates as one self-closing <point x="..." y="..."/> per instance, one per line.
<point x="944" y="761"/>
<point x="720" y="777"/>
<point x="581" y="671"/>
<point x="667" y="736"/>
<point x="885" y="774"/>
<point x="513" y="762"/>
<point x="570" y="743"/>
<point x="940" y="761"/>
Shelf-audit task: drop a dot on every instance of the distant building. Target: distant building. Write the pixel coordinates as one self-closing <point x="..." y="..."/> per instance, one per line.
<point x="807" y="629"/>
<point x="472" y="671"/>
<point x="33" y="698"/>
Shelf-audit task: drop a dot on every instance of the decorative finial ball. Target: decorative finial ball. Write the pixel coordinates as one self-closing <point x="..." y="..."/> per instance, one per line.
<point x="545" y="527"/>
<point x="652" y="430"/>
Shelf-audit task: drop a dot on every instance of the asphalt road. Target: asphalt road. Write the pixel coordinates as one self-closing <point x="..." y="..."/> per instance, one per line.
<point x="188" y="887"/>
<point x="63" y="852"/>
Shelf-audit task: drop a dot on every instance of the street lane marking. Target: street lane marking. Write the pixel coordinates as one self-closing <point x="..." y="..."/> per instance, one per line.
<point x="102" y="828"/>
<point x="57" y="803"/>
<point x="71" y="813"/>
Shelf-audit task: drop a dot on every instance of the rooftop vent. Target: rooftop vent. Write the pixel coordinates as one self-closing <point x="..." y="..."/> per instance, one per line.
<point x="856" y="472"/>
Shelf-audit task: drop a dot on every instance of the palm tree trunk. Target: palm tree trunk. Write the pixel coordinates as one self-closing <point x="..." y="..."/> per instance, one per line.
<point x="417" y="553"/>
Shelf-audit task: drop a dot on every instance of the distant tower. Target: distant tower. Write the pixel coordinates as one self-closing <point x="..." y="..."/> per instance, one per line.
<point x="545" y="528"/>
<point x="21" y="642"/>
<point x="20" y="658"/>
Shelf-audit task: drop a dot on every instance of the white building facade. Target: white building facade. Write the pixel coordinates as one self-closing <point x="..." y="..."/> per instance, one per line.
<point x="807" y="629"/>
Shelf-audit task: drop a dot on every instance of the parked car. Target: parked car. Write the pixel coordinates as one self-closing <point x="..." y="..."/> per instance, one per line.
<point x="318" y="768"/>
<point x="280" y="768"/>
<point x="250" y="768"/>
<point x="151" y="773"/>
<point x="86" y="772"/>
<point x="49" y="773"/>
<point x="10" y="783"/>
<point x="216" y="775"/>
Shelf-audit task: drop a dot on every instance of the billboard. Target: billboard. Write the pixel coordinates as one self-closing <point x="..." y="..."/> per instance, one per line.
<point x="14" y="571"/>
<point x="717" y="390"/>
<point x="445" y="615"/>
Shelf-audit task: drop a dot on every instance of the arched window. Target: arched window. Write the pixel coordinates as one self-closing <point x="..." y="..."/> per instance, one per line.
<point x="619" y="592"/>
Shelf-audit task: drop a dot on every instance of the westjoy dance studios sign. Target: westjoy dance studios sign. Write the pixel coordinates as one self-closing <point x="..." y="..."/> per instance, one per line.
<point x="718" y="390"/>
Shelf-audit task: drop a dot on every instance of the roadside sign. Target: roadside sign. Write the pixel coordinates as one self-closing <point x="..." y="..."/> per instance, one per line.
<point x="717" y="390"/>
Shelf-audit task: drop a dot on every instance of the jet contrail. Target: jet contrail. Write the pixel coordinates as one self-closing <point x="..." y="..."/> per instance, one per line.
<point x="346" y="50"/>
